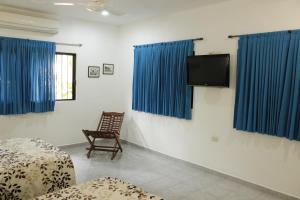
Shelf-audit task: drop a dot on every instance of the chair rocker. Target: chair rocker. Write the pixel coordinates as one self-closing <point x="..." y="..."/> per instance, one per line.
<point x="108" y="128"/>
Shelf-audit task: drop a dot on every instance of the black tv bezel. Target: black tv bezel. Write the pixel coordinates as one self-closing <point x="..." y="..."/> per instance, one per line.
<point x="227" y="84"/>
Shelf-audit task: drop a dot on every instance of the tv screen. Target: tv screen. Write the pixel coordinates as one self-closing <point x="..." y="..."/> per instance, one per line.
<point x="209" y="70"/>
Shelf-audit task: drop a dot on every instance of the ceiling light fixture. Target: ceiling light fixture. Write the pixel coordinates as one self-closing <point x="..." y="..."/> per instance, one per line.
<point x="104" y="13"/>
<point x="63" y="4"/>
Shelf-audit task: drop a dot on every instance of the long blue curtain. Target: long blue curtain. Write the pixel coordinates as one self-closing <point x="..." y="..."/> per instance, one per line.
<point x="26" y="76"/>
<point x="268" y="84"/>
<point x="160" y="79"/>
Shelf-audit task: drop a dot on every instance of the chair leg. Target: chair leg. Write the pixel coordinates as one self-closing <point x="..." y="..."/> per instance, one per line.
<point x="88" y="155"/>
<point x="117" y="147"/>
<point x="92" y="143"/>
<point x="119" y="144"/>
<point x="114" y="153"/>
<point x="91" y="148"/>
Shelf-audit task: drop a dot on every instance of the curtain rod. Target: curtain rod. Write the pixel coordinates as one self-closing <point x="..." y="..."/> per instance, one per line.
<point x="198" y="39"/>
<point x="194" y="40"/>
<point x="237" y="36"/>
<point x="57" y="43"/>
<point x="68" y="44"/>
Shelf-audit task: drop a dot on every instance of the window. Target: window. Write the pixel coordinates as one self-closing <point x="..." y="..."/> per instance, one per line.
<point x="64" y="70"/>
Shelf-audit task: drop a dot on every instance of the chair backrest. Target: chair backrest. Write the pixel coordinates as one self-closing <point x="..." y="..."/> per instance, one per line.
<point x="110" y="122"/>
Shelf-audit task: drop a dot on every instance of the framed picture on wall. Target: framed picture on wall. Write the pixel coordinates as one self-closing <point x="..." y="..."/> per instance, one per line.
<point x="108" y="69"/>
<point x="94" y="72"/>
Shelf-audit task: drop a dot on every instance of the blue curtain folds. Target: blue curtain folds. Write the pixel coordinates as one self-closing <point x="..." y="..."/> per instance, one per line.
<point x="160" y="79"/>
<point x="268" y="84"/>
<point x="26" y="76"/>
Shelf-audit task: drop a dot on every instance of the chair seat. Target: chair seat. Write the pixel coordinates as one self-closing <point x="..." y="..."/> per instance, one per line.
<point x="99" y="134"/>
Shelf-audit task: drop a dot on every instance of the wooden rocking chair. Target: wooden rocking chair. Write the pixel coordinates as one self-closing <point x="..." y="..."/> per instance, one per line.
<point x="108" y="128"/>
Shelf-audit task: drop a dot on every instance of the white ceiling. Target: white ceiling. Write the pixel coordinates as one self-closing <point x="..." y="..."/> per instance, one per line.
<point x="134" y="9"/>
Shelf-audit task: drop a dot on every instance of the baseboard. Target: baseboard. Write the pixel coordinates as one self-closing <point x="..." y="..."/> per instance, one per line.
<point x="219" y="173"/>
<point x="77" y="144"/>
<point x="209" y="170"/>
<point x="73" y="145"/>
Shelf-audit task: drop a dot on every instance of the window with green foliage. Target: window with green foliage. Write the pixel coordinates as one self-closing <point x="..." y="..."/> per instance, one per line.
<point x="65" y="64"/>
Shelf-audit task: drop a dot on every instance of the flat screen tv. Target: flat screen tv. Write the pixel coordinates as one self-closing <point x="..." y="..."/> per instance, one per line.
<point x="209" y="70"/>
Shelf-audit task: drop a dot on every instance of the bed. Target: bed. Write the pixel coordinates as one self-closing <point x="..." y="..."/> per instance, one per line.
<point x="32" y="167"/>
<point x="101" y="189"/>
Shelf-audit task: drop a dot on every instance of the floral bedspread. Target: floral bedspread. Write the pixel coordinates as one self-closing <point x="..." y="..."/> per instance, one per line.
<point x="31" y="167"/>
<point x="101" y="189"/>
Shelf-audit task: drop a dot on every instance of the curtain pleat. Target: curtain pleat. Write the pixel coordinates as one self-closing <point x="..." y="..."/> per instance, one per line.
<point x="26" y="76"/>
<point x="268" y="84"/>
<point x="160" y="79"/>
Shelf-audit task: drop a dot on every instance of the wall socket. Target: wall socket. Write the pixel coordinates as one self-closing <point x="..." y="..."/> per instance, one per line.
<point x="215" y="139"/>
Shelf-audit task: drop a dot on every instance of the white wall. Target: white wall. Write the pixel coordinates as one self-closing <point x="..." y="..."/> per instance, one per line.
<point x="93" y="95"/>
<point x="209" y="139"/>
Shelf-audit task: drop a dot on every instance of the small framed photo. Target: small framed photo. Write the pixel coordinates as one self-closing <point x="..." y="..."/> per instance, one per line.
<point x="94" y="72"/>
<point x="108" y="69"/>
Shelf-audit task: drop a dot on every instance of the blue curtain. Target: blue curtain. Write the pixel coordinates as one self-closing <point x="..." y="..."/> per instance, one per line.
<point x="26" y="76"/>
<point x="268" y="84"/>
<point x="160" y="79"/>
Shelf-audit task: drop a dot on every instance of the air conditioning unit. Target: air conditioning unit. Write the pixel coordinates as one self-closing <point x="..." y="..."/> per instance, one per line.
<point x="25" y="22"/>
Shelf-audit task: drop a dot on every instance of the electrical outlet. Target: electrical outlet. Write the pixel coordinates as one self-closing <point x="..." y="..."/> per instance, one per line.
<point x="215" y="139"/>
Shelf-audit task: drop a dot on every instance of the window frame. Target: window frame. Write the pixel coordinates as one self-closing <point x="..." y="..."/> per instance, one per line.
<point x="74" y="76"/>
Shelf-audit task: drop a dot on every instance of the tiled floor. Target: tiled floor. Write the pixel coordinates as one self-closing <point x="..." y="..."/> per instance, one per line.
<point x="167" y="177"/>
